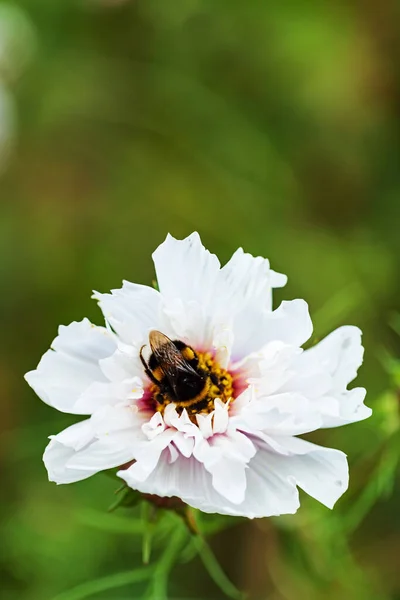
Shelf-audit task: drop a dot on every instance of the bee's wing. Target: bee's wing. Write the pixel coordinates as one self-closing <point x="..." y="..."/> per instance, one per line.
<point x="168" y="356"/>
<point x="158" y="341"/>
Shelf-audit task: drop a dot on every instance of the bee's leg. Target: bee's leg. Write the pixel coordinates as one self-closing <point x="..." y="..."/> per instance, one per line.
<point x="146" y="368"/>
<point x="214" y="378"/>
<point x="159" y="398"/>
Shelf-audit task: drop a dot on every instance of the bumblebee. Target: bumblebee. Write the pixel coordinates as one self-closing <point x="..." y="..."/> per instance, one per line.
<point x="182" y="376"/>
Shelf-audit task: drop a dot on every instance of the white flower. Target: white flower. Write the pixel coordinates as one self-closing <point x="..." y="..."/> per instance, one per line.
<point x="236" y="451"/>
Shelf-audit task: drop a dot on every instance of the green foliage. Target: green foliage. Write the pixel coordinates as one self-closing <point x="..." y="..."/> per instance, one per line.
<point x="174" y="542"/>
<point x="111" y="582"/>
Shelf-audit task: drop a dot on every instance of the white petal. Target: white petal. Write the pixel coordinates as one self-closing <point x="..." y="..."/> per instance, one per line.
<point x="229" y="479"/>
<point x="266" y="492"/>
<point x="103" y="454"/>
<point x="199" y="298"/>
<point x="349" y="407"/>
<point x="180" y="422"/>
<point x="225" y="458"/>
<point x="124" y="363"/>
<point x="108" y="452"/>
<point x="222" y="343"/>
<point x="271" y="368"/>
<point x="323" y="373"/>
<point x="174" y="454"/>
<point x="187" y="321"/>
<point x="147" y="456"/>
<point x="76" y="436"/>
<point x="278" y="414"/>
<point x="228" y="469"/>
<point x="186" y="270"/>
<point x="247" y="281"/>
<point x="66" y="371"/>
<point x="221" y="417"/>
<point x="108" y="439"/>
<point x="340" y="354"/>
<point x="110" y="419"/>
<point x="185" y="478"/>
<point x="321" y="472"/>
<point x="278" y="280"/>
<point x="269" y="492"/>
<point x="235" y="444"/>
<point x="289" y="323"/>
<point x="205" y="423"/>
<point x="184" y="444"/>
<point x="154" y="427"/>
<point x="62" y="448"/>
<point x="132" y="311"/>
<point x="98" y="395"/>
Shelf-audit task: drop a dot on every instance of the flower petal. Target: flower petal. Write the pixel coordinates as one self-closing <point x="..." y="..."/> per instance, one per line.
<point x="278" y="280"/>
<point x="229" y="479"/>
<point x="147" y="456"/>
<point x="289" y="323"/>
<point x="277" y="414"/>
<point x="98" y="395"/>
<point x="344" y="408"/>
<point x="186" y="270"/>
<point x="187" y="321"/>
<point x="323" y="373"/>
<point x="105" y="453"/>
<point x="110" y="419"/>
<point x="321" y="472"/>
<point x="271" y="478"/>
<point x="62" y="448"/>
<point x="124" y="363"/>
<point x="246" y="281"/>
<point x="340" y="354"/>
<point x="131" y="311"/>
<point x="221" y="416"/>
<point x="185" y="478"/>
<point x="66" y="371"/>
<point x="270" y="368"/>
<point x="108" y="439"/>
<point x="226" y="459"/>
<point x="266" y="494"/>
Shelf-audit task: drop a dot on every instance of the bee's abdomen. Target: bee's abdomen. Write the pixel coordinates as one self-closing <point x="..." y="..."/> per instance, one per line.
<point x="189" y="388"/>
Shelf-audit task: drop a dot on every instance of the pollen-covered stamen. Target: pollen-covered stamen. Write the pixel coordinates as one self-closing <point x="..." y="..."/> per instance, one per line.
<point x="218" y="383"/>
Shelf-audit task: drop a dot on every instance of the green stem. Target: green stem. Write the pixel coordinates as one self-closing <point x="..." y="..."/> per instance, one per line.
<point x="166" y="563"/>
<point x="214" y="570"/>
<point x="148" y="519"/>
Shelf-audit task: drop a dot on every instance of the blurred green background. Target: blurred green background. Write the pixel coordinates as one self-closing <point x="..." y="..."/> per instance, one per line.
<point x="269" y="125"/>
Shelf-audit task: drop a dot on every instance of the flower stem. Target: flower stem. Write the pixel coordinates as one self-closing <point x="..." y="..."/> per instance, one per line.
<point x="214" y="569"/>
<point x="166" y="563"/>
<point x="148" y="518"/>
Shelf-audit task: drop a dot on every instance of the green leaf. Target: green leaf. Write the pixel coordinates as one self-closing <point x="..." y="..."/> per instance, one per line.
<point x="110" y="522"/>
<point x="103" y="584"/>
<point x="394" y="322"/>
<point x="379" y="486"/>
<point x="126" y="498"/>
